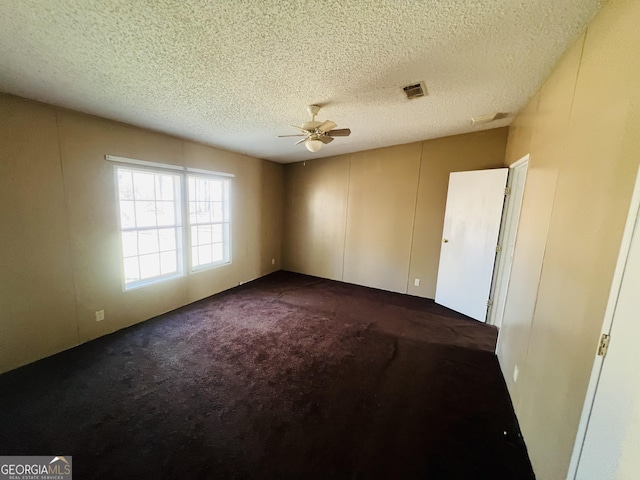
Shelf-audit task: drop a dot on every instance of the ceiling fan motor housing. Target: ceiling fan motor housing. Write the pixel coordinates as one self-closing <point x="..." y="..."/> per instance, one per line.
<point x="313" y="110"/>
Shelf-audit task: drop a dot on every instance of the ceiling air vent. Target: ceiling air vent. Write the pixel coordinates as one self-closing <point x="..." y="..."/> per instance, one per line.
<point x="414" y="91"/>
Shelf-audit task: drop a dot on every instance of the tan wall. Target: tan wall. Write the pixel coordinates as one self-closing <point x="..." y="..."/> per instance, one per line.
<point x="582" y="132"/>
<point x="37" y="304"/>
<point x="375" y="218"/>
<point x="315" y="216"/>
<point x="60" y="242"/>
<point x="381" y="208"/>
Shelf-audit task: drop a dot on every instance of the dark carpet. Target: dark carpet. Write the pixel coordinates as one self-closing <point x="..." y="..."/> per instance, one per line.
<point x="289" y="376"/>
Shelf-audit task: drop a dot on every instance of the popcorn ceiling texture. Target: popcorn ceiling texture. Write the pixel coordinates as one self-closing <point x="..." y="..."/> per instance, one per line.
<point x="235" y="74"/>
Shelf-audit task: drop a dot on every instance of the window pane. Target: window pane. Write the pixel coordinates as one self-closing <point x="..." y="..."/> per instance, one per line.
<point x="148" y="241"/>
<point x="144" y="186"/>
<point x="193" y="212"/>
<point x="164" y="187"/>
<point x="194" y="257"/>
<point x="203" y="214"/>
<point x="204" y="254"/>
<point x="166" y="213"/>
<point x="217" y="252"/>
<point x="145" y="214"/>
<point x="216" y="191"/>
<point x="127" y="214"/>
<point x="204" y="235"/>
<point x="168" y="262"/>
<point x="216" y="233"/>
<point x="129" y="244"/>
<point x="194" y="235"/>
<point x="216" y="207"/>
<point x="201" y="190"/>
<point x="131" y="272"/>
<point x="149" y="265"/>
<point x="125" y="185"/>
<point x="192" y="189"/>
<point x="167" y="237"/>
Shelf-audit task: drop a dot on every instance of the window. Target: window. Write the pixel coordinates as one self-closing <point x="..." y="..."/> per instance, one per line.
<point x="209" y="221"/>
<point x="150" y="225"/>
<point x="151" y="204"/>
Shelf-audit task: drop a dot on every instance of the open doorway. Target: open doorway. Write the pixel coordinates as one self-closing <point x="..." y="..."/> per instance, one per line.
<point x="507" y="240"/>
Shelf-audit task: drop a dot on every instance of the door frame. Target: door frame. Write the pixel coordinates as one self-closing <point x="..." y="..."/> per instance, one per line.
<point x="508" y="235"/>
<point x="609" y="317"/>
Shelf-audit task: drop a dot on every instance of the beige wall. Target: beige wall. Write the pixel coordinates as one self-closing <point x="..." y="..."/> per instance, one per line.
<point x="37" y="303"/>
<point x="315" y="216"/>
<point x="381" y="207"/>
<point x="60" y="243"/>
<point x="375" y="218"/>
<point x="582" y="132"/>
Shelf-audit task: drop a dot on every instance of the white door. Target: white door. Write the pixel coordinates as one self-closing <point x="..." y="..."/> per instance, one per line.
<point x="469" y="239"/>
<point x="612" y="409"/>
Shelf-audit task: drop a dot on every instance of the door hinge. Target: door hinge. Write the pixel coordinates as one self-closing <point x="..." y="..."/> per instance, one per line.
<point x="604" y="344"/>
<point x="489" y="303"/>
<point x="498" y="248"/>
<point x="507" y="190"/>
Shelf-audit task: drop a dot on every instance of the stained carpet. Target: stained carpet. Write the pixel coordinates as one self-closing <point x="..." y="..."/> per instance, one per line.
<point x="289" y="376"/>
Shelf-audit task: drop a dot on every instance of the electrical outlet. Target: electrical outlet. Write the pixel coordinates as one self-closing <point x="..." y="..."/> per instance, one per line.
<point x="515" y="374"/>
<point x="99" y="315"/>
<point x="273" y="261"/>
<point x="416" y="282"/>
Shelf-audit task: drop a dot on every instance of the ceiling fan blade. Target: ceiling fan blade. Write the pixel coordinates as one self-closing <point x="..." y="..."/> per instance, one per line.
<point x="325" y="126"/>
<point x="295" y="135"/>
<point x="300" y="128"/>
<point x="300" y="141"/>
<point x="340" y="132"/>
<point x="324" y="139"/>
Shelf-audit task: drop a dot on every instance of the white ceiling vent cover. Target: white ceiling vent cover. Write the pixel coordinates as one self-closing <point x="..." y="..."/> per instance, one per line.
<point x="415" y="91"/>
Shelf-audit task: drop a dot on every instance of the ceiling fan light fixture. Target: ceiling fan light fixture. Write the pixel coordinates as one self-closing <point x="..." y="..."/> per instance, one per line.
<point x="313" y="145"/>
<point x="317" y="133"/>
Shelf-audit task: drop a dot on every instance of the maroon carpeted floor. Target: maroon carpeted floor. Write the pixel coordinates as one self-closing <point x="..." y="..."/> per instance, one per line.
<point x="289" y="376"/>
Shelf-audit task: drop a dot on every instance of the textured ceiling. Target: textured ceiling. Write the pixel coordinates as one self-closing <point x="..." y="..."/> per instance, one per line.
<point x="235" y="74"/>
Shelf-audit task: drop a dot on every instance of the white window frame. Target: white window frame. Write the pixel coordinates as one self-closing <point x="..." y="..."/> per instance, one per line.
<point x="225" y="222"/>
<point x="184" y="241"/>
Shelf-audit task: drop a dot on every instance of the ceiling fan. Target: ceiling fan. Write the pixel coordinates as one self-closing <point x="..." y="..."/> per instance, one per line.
<point x="316" y="133"/>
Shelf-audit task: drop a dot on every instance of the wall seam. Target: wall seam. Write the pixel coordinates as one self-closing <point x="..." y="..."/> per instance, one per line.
<point x="413" y="225"/>
<point x="346" y="218"/>
<point x="553" y="206"/>
<point x="66" y="208"/>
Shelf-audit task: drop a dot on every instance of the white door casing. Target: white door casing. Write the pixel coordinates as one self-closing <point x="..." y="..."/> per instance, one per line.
<point x="470" y="235"/>
<point x="507" y="240"/>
